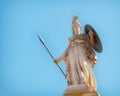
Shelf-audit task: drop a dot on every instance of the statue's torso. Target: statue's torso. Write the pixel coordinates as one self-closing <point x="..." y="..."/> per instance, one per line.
<point x="80" y="40"/>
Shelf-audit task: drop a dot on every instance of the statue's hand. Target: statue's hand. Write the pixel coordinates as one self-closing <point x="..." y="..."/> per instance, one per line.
<point x="56" y="61"/>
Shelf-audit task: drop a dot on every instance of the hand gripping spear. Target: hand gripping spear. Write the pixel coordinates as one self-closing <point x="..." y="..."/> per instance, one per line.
<point x="50" y="53"/>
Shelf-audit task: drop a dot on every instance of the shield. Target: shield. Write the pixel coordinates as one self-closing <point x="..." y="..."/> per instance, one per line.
<point x="97" y="46"/>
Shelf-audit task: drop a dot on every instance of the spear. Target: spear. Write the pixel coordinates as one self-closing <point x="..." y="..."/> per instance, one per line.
<point x="41" y="40"/>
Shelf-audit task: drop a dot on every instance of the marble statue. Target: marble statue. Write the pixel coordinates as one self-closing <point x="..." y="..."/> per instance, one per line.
<point x="80" y="58"/>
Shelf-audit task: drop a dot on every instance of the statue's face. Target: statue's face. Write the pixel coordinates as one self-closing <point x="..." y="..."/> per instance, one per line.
<point x="76" y="32"/>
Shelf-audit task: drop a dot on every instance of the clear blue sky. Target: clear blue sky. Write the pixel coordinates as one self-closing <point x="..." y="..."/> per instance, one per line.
<point x="26" y="69"/>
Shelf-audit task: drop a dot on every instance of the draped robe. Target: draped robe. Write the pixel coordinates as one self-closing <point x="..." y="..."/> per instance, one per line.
<point x="77" y="58"/>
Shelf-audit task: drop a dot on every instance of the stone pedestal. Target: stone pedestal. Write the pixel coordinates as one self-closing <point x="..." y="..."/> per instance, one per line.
<point x="82" y="94"/>
<point x="80" y="90"/>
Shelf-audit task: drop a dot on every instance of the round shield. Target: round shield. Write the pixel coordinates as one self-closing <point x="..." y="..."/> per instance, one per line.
<point x="97" y="46"/>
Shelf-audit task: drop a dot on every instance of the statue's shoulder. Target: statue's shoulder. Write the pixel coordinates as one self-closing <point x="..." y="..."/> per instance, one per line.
<point x="80" y="36"/>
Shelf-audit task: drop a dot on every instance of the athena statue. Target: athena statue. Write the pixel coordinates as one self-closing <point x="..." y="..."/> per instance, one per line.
<point x="80" y="56"/>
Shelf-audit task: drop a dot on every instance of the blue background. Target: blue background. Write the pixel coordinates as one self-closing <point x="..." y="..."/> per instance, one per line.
<point x="26" y="69"/>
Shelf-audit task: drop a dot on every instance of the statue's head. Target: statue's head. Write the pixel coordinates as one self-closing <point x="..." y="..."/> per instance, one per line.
<point x="74" y="18"/>
<point x="76" y="27"/>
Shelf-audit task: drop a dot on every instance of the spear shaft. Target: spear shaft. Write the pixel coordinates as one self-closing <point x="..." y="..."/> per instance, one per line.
<point x="49" y="53"/>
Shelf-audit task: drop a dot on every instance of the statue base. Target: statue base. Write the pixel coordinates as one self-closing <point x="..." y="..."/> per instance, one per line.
<point x="80" y="90"/>
<point x="82" y="94"/>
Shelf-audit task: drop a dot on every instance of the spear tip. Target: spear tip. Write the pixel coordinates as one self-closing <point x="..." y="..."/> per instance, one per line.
<point x="40" y="39"/>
